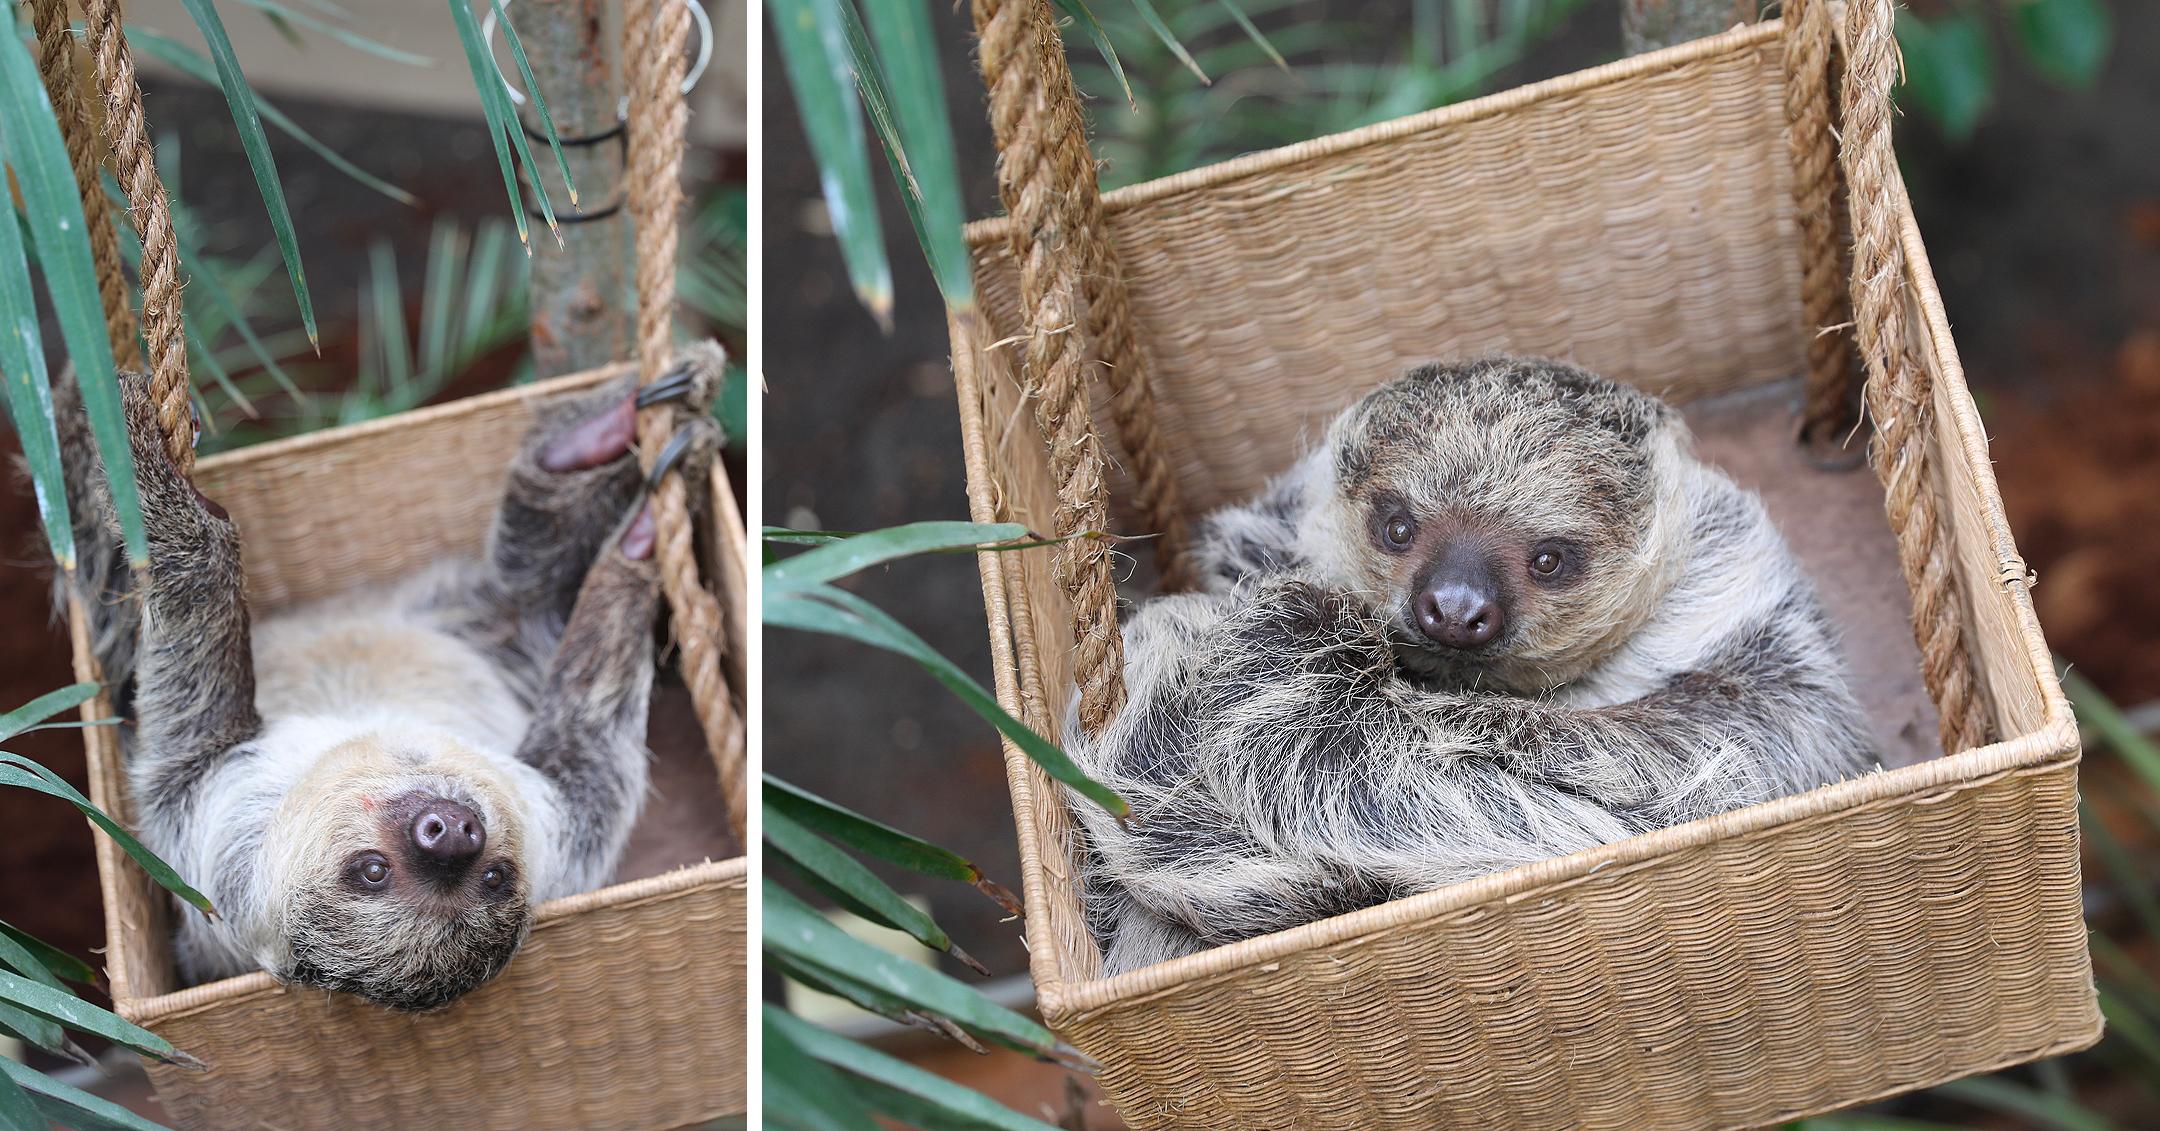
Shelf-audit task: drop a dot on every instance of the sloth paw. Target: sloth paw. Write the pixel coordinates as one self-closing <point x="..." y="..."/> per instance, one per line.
<point x="593" y="441"/>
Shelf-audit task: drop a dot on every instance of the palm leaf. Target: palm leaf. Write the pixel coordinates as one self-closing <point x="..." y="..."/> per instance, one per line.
<point x="195" y="65"/>
<point x="907" y="53"/>
<point x="881" y="840"/>
<point x="29" y="394"/>
<point x="16" y="770"/>
<point x="1154" y="21"/>
<point x="495" y="107"/>
<point x="801" y="1093"/>
<point x="841" y="877"/>
<point x="42" y="1000"/>
<point x="346" y="36"/>
<point x="839" y="613"/>
<point x="247" y="119"/>
<point x="947" y="1099"/>
<point x="1079" y="13"/>
<point x="813" y="48"/>
<point x="854" y="554"/>
<point x="57" y="962"/>
<point x="73" y="1106"/>
<point x="532" y="91"/>
<point x="792" y="928"/>
<point x="30" y="143"/>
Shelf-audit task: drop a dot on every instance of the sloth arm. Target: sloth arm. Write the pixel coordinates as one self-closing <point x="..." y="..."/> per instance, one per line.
<point x="194" y="670"/>
<point x="1764" y="713"/>
<point x="587" y="735"/>
<point x="1280" y="771"/>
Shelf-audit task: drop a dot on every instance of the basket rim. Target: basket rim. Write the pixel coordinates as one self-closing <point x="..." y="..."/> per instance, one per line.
<point x="995" y="231"/>
<point x="555" y="914"/>
<point x="362" y="430"/>
<point x="2052" y="743"/>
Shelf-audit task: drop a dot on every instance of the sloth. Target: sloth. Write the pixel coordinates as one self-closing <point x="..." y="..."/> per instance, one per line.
<point x="1502" y="613"/>
<point x="376" y="789"/>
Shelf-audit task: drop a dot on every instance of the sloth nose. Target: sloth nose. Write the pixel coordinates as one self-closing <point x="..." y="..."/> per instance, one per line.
<point x="448" y="832"/>
<point x="1458" y="616"/>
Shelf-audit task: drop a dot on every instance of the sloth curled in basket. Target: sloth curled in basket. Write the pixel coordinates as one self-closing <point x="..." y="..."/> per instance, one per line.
<point x="376" y="789"/>
<point x="1502" y="613"/>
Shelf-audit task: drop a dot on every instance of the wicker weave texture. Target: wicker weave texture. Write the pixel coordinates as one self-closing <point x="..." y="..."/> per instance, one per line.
<point x="1642" y="228"/>
<point x="625" y="1008"/>
<point x="1818" y="951"/>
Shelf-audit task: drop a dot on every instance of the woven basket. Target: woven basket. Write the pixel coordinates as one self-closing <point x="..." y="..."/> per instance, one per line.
<point x="1908" y="928"/>
<point x="626" y="1006"/>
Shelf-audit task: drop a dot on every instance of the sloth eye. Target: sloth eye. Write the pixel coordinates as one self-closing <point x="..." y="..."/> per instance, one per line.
<point x="493" y="878"/>
<point x="374" y="871"/>
<point x="1548" y="562"/>
<point x="1399" y="531"/>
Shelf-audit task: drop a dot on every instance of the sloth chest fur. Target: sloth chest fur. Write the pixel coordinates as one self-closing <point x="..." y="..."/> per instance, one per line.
<point x="364" y="665"/>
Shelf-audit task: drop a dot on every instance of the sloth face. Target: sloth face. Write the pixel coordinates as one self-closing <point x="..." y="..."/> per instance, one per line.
<point x="406" y="884"/>
<point x="1504" y="517"/>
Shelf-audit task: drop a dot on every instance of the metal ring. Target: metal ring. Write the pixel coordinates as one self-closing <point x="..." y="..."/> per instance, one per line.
<point x="622" y="108"/>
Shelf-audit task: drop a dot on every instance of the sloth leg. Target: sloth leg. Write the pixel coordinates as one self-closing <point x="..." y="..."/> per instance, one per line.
<point x="588" y="732"/>
<point x="195" y="670"/>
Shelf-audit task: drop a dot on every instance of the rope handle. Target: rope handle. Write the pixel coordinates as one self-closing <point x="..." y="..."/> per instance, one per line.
<point x="126" y="137"/>
<point x="1077" y="319"/>
<point x="1899" y="392"/>
<point x="654" y="32"/>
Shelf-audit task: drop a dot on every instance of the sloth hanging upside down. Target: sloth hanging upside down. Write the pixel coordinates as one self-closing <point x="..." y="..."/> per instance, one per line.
<point x="376" y="789"/>
<point x="1501" y="614"/>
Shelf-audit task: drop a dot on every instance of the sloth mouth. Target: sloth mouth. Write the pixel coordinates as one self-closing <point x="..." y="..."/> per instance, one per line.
<point x="1439" y="668"/>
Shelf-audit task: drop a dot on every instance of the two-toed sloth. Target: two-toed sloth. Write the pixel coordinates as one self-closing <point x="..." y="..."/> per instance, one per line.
<point x="375" y="790"/>
<point x="1501" y="614"/>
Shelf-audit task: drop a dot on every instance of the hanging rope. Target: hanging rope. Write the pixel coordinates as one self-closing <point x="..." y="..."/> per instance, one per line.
<point x="1046" y="179"/>
<point x="1899" y="399"/>
<point x="1831" y="406"/>
<point x="1046" y="176"/>
<point x="56" y="64"/>
<point x="128" y="136"/>
<point x="654" y="34"/>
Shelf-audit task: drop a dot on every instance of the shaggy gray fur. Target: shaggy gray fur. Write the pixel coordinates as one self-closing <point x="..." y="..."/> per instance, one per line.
<point x="1295" y="747"/>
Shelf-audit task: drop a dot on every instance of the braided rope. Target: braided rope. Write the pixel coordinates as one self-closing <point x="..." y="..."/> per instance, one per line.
<point x="1898" y="392"/>
<point x="128" y="135"/>
<point x="1830" y="408"/>
<point x="1047" y="181"/>
<point x="1044" y="106"/>
<point x="56" y="64"/>
<point x="653" y="51"/>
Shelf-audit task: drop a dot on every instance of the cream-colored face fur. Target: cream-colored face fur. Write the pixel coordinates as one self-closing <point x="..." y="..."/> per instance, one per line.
<point x="1556" y="490"/>
<point x="361" y="909"/>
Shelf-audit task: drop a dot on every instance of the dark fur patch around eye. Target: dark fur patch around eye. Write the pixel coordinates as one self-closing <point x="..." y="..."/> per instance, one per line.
<point x="1574" y="563"/>
<point x="1380" y="516"/>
